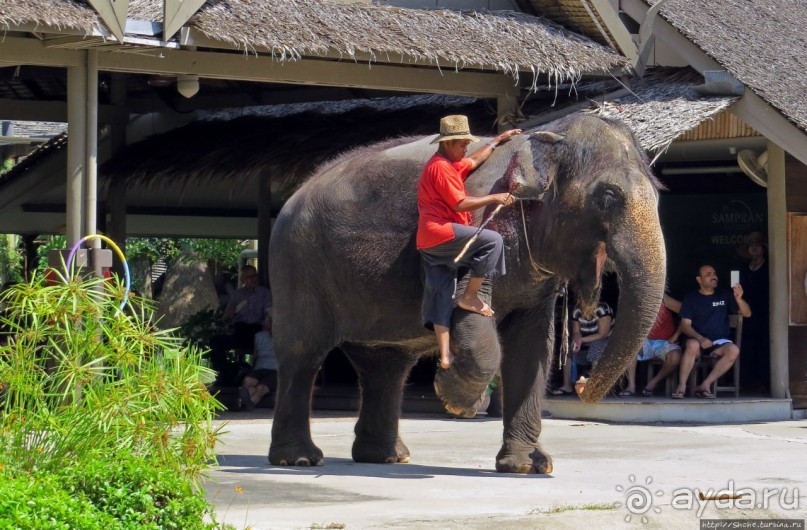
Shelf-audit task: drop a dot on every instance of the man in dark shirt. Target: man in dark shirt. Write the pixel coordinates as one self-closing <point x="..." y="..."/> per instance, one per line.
<point x="705" y="320"/>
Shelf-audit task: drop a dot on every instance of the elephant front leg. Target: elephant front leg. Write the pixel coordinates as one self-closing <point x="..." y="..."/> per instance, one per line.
<point x="525" y="366"/>
<point x="291" y="427"/>
<point x="382" y="373"/>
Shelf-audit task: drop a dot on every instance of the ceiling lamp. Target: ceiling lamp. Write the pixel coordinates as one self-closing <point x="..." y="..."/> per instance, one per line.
<point x="188" y="85"/>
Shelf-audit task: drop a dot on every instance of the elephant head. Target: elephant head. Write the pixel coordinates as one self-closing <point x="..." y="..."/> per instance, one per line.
<point x="602" y="212"/>
<point x="598" y="210"/>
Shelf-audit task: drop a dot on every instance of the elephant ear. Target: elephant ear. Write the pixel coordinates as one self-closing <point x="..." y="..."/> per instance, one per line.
<point x="547" y="137"/>
<point x="544" y="164"/>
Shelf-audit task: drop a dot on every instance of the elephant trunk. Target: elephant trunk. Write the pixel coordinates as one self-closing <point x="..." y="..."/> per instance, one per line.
<point x="638" y="253"/>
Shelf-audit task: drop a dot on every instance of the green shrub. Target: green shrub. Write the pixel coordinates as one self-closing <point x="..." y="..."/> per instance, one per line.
<point x="124" y="493"/>
<point x="33" y="503"/>
<point x="139" y="495"/>
<point x="81" y="376"/>
<point x="105" y="420"/>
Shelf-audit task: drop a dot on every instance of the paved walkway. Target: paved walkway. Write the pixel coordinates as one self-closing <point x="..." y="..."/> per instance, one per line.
<point x="658" y="469"/>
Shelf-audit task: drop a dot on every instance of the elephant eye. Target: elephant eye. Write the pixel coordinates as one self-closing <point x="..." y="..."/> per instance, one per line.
<point x="606" y="198"/>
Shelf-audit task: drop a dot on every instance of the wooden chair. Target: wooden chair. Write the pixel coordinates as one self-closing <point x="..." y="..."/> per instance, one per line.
<point x="704" y="366"/>
<point x="670" y="382"/>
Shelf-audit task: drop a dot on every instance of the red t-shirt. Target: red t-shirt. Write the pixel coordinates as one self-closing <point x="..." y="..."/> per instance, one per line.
<point x="441" y="188"/>
<point x="664" y="327"/>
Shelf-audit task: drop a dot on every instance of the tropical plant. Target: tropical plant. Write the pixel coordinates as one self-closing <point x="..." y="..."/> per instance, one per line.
<point x="11" y="260"/>
<point x="81" y="375"/>
<point x="222" y="252"/>
<point x="49" y="243"/>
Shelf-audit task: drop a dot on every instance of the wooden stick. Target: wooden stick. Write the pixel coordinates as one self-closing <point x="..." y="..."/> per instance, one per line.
<point x="476" y="235"/>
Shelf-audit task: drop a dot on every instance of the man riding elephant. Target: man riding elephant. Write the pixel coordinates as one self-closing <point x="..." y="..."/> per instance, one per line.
<point x="445" y="228"/>
<point x="345" y="272"/>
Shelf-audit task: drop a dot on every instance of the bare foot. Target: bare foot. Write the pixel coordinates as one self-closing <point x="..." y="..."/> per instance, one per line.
<point x="475" y="305"/>
<point x="580" y="385"/>
<point x="446" y="360"/>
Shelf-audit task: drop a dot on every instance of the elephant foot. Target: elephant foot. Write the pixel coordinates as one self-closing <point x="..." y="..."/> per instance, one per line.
<point x="375" y="452"/>
<point x="536" y="462"/>
<point x="303" y="454"/>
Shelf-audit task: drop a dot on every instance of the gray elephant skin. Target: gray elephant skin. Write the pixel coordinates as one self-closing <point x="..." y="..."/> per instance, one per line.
<point x="345" y="272"/>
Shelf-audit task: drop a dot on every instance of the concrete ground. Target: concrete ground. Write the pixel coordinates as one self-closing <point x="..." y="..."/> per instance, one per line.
<point x="605" y="476"/>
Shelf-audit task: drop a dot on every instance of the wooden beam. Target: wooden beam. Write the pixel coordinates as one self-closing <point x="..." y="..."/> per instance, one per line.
<point x="20" y="50"/>
<point x="113" y="13"/>
<point x="218" y="65"/>
<point x="664" y="31"/>
<point x="55" y="111"/>
<point x="177" y="12"/>
<point x="647" y="38"/>
<point x="616" y="28"/>
<point x="757" y="113"/>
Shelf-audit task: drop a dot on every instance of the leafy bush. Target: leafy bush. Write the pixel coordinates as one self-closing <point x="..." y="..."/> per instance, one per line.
<point x="82" y="382"/>
<point x="37" y="503"/>
<point x="124" y="493"/>
<point x="11" y="260"/>
<point x="223" y="252"/>
<point x="203" y="325"/>
<point x="139" y="495"/>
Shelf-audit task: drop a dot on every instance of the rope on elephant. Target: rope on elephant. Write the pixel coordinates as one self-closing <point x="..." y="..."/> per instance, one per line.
<point x="542" y="271"/>
<point x="563" y="289"/>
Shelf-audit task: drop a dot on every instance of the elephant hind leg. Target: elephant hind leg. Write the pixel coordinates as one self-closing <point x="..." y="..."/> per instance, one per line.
<point x="291" y="427"/>
<point x="382" y="373"/>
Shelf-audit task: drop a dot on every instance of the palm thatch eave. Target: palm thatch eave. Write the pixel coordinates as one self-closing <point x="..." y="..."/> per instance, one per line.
<point x="507" y="42"/>
<point x="658" y="107"/>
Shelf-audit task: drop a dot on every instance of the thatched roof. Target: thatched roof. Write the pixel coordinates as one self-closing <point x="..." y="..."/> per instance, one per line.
<point x="60" y="14"/>
<point x="284" y="143"/>
<point x="39" y="154"/>
<point x="663" y="105"/>
<point x="658" y="107"/>
<point x="760" y="42"/>
<point x="508" y="42"/>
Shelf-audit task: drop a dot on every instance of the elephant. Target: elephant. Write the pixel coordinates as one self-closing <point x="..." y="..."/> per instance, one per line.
<point x="345" y="272"/>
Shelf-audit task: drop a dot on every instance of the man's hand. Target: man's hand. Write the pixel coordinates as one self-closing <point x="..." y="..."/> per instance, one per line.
<point x="705" y="343"/>
<point x="738" y="291"/>
<point x="503" y="198"/>
<point x="505" y="136"/>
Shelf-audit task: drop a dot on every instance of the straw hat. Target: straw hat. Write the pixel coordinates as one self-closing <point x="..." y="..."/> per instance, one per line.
<point x="757" y="238"/>
<point x="454" y="128"/>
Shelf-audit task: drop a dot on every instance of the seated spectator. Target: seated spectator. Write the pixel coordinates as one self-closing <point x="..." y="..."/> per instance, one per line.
<point x="589" y="338"/>
<point x="705" y="320"/>
<point x="245" y="311"/>
<point x="661" y="343"/>
<point x="263" y="378"/>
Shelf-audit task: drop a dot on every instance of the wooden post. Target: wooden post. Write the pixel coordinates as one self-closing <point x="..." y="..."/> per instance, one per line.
<point x="264" y="226"/>
<point x="76" y="152"/>
<point x="91" y="155"/>
<point x="777" y="255"/>
<point x="116" y="198"/>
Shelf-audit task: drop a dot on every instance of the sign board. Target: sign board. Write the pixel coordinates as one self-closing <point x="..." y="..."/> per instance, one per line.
<point x="798" y="268"/>
<point x="700" y="229"/>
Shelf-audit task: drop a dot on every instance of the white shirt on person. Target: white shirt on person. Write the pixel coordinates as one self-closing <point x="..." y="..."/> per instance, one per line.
<point x="265" y="358"/>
